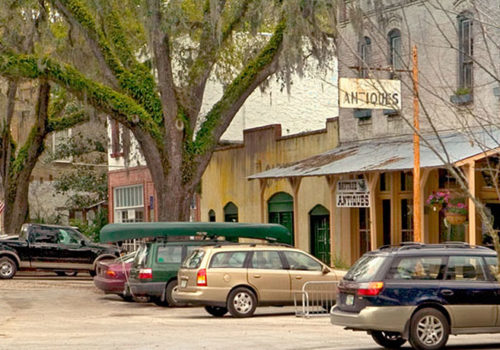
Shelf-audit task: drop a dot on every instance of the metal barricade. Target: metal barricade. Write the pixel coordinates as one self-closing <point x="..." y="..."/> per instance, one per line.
<point x="315" y="299"/>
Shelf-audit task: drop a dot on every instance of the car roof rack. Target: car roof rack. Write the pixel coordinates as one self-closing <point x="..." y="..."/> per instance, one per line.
<point x="251" y="244"/>
<point x="419" y="245"/>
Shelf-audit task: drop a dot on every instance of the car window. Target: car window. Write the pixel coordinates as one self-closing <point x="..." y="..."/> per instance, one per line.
<point x="170" y="254"/>
<point x="142" y="254"/>
<point x="190" y="249"/>
<point x="417" y="268"/>
<point x="266" y="259"/>
<point x="228" y="260"/>
<point x="300" y="261"/>
<point x="193" y="261"/>
<point x="492" y="265"/>
<point x="45" y="235"/>
<point x="67" y="236"/>
<point x="465" y="268"/>
<point x="365" y="268"/>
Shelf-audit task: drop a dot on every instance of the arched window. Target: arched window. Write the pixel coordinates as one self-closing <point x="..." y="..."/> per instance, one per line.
<point x="465" y="50"/>
<point x="211" y="215"/>
<point x="280" y="209"/>
<point x="364" y="56"/>
<point x="395" y="52"/>
<point x="230" y="212"/>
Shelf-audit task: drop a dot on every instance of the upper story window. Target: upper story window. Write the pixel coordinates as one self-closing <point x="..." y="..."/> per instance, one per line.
<point x="395" y="52"/>
<point x="364" y="56"/>
<point x="466" y="51"/>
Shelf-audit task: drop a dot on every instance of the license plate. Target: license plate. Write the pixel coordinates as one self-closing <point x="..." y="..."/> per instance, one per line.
<point x="349" y="299"/>
<point x="184" y="283"/>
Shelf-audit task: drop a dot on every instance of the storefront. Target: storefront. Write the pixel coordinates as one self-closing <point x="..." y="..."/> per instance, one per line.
<point x="382" y="212"/>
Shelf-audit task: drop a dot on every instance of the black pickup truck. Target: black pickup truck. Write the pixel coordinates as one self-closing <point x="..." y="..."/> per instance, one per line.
<point x="60" y="249"/>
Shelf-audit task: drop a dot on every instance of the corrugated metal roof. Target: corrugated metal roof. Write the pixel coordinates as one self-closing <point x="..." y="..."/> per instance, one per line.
<point x="390" y="154"/>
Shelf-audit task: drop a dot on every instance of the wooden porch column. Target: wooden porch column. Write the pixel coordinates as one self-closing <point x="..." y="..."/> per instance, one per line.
<point x="372" y="185"/>
<point x="332" y="186"/>
<point x="295" y="183"/>
<point x="263" y="185"/>
<point x="471" y="179"/>
<point x="424" y="175"/>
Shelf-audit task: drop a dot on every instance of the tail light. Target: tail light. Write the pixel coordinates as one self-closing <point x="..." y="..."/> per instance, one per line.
<point x="201" y="278"/>
<point x="145" y="274"/>
<point x="111" y="273"/>
<point x="370" y="289"/>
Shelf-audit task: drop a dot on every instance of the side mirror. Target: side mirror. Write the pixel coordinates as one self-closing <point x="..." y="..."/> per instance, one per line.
<point x="325" y="270"/>
<point x="83" y="242"/>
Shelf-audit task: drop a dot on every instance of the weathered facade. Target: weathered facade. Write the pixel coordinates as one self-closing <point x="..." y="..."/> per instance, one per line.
<point x="458" y="100"/>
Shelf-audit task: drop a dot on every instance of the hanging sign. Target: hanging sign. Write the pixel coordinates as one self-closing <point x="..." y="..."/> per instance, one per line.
<point x="369" y="93"/>
<point x="352" y="194"/>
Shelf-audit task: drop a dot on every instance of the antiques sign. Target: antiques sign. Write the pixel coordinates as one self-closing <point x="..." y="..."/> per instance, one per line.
<point x="370" y="93"/>
<point x="352" y="194"/>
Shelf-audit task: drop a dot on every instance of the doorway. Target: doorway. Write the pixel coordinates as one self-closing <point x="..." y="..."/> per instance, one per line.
<point x="319" y="218"/>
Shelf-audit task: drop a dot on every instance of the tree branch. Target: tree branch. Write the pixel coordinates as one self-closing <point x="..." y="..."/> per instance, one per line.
<point x="67" y="121"/>
<point x="223" y="112"/>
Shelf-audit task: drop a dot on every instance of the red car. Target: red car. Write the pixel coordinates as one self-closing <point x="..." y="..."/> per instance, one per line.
<point x="112" y="275"/>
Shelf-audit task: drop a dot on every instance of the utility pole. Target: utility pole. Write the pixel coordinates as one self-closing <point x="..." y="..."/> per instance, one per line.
<point x="417" y="207"/>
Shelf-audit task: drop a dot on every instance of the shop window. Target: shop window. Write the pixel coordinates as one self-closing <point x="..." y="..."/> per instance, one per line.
<point x="129" y="204"/>
<point x="280" y="210"/>
<point x="385" y="184"/>
<point x="406" y="181"/>
<point x="490" y="171"/>
<point x="406" y="221"/>
<point x="211" y="215"/>
<point x="364" y="231"/>
<point x="446" y="179"/>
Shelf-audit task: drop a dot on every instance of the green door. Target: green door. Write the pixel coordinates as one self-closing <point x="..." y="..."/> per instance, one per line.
<point x="280" y="209"/>
<point x="320" y="233"/>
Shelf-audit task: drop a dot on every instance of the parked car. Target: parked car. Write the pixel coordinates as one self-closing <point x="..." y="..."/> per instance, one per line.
<point x="238" y="278"/>
<point x="112" y="275"/>
<point x="421" y="293"/>
<point x="61" y="249"/>
<point x="154" y="271"/>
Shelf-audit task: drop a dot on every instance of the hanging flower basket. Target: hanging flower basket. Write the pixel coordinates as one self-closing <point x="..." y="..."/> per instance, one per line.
<point x="455" y="218"/>
<point x="436" y="207"/>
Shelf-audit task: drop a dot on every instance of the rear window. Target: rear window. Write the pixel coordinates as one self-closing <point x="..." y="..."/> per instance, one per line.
<point x="142" y="254"/>
<point x="228" y="260"/>
<point x="170" y="254"/>
<point x="365" y="268"/>
<point x="193" y="261"/>
<point x="492" y="265"/>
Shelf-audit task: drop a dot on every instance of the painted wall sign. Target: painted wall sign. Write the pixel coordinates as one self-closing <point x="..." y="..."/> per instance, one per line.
<point x="352" y="194"/>
<point x="369" y="93"/>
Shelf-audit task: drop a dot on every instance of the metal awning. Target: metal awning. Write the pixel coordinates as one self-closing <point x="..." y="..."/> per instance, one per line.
<point x="391" y="154"/>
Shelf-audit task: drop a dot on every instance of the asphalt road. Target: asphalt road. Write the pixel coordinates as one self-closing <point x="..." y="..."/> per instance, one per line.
<point x="46" y="312"/>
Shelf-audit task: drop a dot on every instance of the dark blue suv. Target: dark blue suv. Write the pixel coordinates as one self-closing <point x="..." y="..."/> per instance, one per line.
<point x="421" y="293"/>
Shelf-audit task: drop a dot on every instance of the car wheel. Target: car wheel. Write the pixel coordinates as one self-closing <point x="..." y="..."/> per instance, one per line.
<point x="389" y="340"/>
<point x="429" y="329"/>
<point x="216" y="311"/>
<point x="126" y="297"/>
<point x="241" y="302"/>
<point x="160" y="301"/>
<point x="8" y="268"/>
<point x="169" y="295"/>
<point x="64" y="273"/>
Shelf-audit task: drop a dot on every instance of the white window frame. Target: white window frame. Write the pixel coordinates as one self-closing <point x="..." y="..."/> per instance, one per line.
<point x="135" y="203"/>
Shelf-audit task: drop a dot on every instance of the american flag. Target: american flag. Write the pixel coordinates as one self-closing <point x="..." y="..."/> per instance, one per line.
<point x="2" y="206"/>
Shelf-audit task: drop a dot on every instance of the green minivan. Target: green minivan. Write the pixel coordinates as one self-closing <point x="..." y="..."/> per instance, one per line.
<point x="154" y="271"/>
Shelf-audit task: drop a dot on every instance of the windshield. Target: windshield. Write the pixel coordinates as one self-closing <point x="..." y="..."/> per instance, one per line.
<point x="364" y="269"/>
<point x="193" y="261"/>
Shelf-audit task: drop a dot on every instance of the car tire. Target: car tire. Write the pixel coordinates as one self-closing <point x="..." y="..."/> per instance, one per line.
<point x="169" y="295"/>
<point x="128" y="298"/>
<point x="8" y="268"/>
<point x="92" y="273"/>
<point x="241" y="302"/>
<point x="216" y="311"/>
<point x="389" y="340"/>
<point x="64" y="273"/>
<point x="429" y="329"/>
